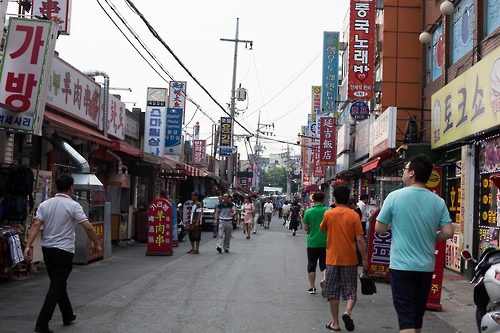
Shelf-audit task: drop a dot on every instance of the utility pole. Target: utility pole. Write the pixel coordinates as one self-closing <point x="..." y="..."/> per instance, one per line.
<point x="233" y="96"/>
<point x="258" y="147"/>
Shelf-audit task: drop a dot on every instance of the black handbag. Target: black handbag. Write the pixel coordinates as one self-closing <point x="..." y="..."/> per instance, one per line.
<point x="367" y="284"/>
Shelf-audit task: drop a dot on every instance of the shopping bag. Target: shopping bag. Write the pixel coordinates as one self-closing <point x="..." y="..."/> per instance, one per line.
<point x="367" y="284"/>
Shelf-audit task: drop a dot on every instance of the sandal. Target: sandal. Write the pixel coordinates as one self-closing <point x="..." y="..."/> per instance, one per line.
<point x="349" y="323"/>
<point x="330" y="327"/>
<point x="191" y="251"/>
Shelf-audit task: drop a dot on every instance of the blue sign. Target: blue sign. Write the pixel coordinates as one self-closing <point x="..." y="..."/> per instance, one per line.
<point x="173" y="133"/>
<point x="360" y="111"/>
<point x="329" y="89"/>
<point x="226" y="150"/>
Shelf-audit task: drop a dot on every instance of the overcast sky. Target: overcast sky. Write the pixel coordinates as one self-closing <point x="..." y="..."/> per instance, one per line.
<point x="278" y="72"/>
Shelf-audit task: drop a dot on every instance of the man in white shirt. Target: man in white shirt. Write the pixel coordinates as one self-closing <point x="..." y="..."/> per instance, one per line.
<point x="268" y="211"/>
<point x="363" y="201"/>
<point x="59" y="216"/>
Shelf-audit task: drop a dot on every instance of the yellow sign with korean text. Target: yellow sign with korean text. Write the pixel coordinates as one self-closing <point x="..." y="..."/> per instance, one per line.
<point x="469" y="104"/>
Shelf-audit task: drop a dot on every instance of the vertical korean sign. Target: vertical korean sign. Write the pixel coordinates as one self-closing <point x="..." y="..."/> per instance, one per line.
<point x="330" y="71"/>
<point x="156" y="114"/>
<point x="116" y="118"/>
<point x="199" y="151"/>
<point x="361" y="50"/>
<point x="28" y="53"/>
<point x="315" y="101"/>
<point x="175" y="117"/>
<point x="225" y="133"/>
<point x="159" y="228"/>
<point x="177" y="95"/>
<point x="327" y="141"/>
<point x="57" y="11"/>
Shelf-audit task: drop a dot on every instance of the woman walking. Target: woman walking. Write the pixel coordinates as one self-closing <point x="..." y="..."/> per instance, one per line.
<point x="295" y="216"/>
<point x="247" y="215"/>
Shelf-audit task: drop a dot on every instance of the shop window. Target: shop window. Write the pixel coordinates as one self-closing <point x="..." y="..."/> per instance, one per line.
<point x="435" y="55"/>
<point x="492" y="16"/>
<point x="462" y="31"/>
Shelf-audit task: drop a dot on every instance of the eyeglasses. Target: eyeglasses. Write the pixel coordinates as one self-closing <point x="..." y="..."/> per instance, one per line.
<point x="407" y="169"/>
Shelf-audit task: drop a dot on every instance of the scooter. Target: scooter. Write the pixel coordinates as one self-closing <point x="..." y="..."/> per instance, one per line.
<point x="487" y="289"/>
<point x="181" y="229"/>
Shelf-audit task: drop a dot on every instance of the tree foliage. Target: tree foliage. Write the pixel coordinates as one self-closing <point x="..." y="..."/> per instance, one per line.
<point x="275" y="177"/>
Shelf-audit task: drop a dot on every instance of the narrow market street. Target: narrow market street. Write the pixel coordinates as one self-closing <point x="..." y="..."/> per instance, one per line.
<point x="260" y="286"/>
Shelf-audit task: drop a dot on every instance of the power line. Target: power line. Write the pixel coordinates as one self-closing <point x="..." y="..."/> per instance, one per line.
<point x="157" y="36"/>
<point x="144" y="46"/>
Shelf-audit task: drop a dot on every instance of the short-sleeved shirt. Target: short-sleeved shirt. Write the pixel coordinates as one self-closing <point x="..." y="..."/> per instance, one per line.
<point x="342" y="225"/>
<point x="362" y="208"/>
<point x="225" y="211"/>
<point x="268" y="207"/>
<point x="196" y="210"/>
<point x="59" y="216"/>
<point x="313" y="217"/>
<point x="257" y="207"/>
<point x="415" y="215"/>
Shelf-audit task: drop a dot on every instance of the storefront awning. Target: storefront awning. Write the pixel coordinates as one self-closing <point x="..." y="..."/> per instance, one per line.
<point x="72" y="128"/>
<point x="193" y="171"/>
<point x="311" y="188"/>
<point x="370" y="165"/>
<point x="126" y="148"/>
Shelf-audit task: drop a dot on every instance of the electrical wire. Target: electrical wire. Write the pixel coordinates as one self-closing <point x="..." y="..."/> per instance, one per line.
<point x="157" y="36"/>
<point x="144" y="46"/>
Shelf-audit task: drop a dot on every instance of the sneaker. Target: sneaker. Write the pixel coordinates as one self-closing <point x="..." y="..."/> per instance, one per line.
<point x="219" y="249"/>
<point x="226" y="251"/>
<point x="322" y="285"/>
<point x="312" y="291"/>
<point x="255" y="231"/>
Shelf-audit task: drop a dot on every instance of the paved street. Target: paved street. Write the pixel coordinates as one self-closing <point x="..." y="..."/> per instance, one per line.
<point x="260" y="286"/>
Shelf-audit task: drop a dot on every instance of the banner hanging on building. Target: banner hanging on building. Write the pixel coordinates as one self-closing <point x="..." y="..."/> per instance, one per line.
<point x="25" y="71"/>
<point x="199" y="151"/>
<point x="116" y="118"/>
<point x="330" y="71"/>
<point x="58" y="11"/>
<point x="315" y="101"/>
<point x="361" y="50"/>
<point x="327" y="141"/>
<point x="173" y="132"/>
<point x="177" y="96"/>
<point x="155" y="120"/>
<point x="226" y="132"/>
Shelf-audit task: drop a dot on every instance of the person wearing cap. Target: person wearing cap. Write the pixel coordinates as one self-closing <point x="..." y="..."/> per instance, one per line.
<point x="195" y="232"/>
<point x="224" y="213"/>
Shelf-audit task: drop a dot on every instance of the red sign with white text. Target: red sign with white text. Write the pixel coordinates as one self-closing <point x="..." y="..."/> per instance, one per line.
<point x="160" y="228"/>
<point x="327" y="141"/>
<point x="199" y="151"/>
<point x="318" y="169"/>
<point x="361" y="50"/>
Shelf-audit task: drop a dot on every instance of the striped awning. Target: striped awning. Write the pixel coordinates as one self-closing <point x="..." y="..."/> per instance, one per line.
<point x="193" y="171"/>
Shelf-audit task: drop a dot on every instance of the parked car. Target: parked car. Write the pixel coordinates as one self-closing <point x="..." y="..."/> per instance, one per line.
<point x="208" y="215"/>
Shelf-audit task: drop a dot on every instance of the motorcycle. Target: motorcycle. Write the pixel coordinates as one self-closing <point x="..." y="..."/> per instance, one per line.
<point x="181" y="229"/>
<point x="487" y="289"/>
